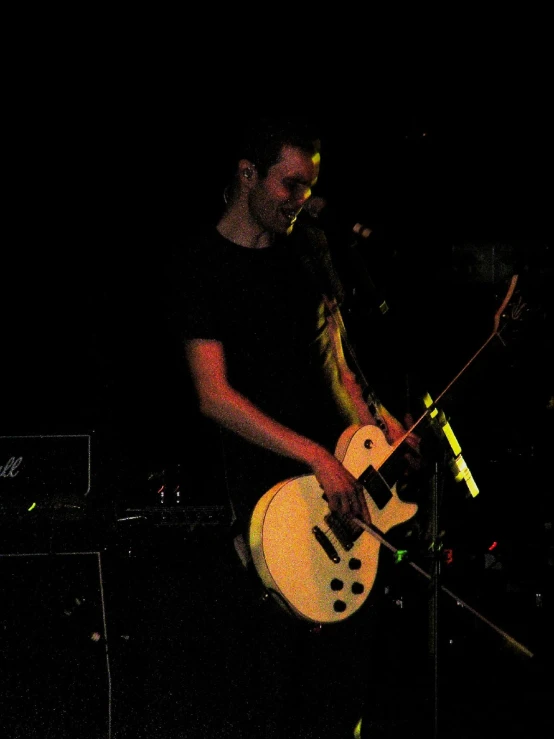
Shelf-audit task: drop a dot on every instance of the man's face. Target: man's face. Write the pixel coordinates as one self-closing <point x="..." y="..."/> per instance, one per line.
<point x="276" y="201"/>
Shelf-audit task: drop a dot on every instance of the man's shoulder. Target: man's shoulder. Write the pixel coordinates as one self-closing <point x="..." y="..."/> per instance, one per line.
<point x="196" y="248"/>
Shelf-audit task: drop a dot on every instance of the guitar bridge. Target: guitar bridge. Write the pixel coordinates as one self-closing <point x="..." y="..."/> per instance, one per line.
<point x="346" y="531"/>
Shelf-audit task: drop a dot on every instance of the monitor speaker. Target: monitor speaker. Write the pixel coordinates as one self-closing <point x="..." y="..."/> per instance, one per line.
<point x="55" y="678"/>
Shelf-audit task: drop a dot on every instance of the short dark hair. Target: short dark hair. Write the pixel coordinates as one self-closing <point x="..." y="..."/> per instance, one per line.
<point x="262" y="139"/>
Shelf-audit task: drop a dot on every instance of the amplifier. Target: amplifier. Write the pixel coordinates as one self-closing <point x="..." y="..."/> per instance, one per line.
<point x="44" y="473"/>
<point x="168" y="497"/>
<point x="56" y="676"/>
<point x="186" y="515"/>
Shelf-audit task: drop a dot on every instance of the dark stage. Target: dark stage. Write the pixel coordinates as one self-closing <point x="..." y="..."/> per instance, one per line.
<point x="113" y="596"/>
<point x="122" y="642"/>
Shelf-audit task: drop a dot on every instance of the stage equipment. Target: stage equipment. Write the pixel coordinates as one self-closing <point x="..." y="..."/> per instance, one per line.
<point x="164" y="499"/>
<point x="56" y="668"/>
<point x="44" y="474"/>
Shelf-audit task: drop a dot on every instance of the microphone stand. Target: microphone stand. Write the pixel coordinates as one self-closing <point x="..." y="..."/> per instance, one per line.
<point x="436" y="487"/>
<point x="437" y="479"/>
<point x="436" y="589"/>
<point x="374" y="531"/>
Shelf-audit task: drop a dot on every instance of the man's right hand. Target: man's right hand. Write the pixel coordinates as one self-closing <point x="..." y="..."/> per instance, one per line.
<point x="343" y="493"/>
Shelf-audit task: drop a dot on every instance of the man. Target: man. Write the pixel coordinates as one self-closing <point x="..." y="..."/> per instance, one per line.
<point x="258" y="311"/>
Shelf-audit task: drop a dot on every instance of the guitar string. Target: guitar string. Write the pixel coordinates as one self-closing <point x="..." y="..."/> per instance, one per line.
<point x="336" y="315"/>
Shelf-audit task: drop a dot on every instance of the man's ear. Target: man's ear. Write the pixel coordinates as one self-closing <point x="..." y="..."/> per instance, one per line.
<point x="247" y="169"/>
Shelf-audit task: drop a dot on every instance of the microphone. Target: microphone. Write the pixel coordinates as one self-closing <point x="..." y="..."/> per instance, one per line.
<point x="315" y="206"/>
<point x="362" y="284"/>
<point x="360" y="230"/>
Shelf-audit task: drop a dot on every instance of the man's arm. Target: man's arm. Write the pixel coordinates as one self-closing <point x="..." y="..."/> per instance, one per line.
<point x="393" y="429"/>
<point x="219" y="401"/>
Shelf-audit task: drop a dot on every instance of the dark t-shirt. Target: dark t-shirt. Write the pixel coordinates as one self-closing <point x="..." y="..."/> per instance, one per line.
<point x="267" y="308"/>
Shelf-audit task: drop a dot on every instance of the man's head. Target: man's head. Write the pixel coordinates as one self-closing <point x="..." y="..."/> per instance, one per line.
<point x="277" y="165"/>
<point x="263" y="139"/>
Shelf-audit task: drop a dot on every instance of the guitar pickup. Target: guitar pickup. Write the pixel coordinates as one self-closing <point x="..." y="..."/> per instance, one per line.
<point x="328" y="548"/>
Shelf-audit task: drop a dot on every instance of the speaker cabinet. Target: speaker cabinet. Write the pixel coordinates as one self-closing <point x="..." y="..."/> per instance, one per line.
<point x="55" y="677"/>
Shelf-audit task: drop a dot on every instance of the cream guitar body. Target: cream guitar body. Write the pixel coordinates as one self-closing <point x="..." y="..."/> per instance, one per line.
<point x="320" y="565"/>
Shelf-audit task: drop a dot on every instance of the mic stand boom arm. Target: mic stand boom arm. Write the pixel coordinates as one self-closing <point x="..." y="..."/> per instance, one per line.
<point x="378" y="535"/>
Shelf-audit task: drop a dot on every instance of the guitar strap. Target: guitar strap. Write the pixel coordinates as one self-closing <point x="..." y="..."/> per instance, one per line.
<point x="317" y="262"/>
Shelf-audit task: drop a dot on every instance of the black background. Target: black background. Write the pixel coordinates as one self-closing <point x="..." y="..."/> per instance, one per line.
<point x="115" y="165"/>
<point x="117" y="153"/>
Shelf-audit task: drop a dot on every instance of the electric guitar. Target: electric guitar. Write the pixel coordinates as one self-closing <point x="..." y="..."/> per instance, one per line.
<point x="321" y="565"/>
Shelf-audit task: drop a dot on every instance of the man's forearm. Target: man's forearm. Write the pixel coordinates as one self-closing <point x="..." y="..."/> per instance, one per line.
<point x="236" y="413"/>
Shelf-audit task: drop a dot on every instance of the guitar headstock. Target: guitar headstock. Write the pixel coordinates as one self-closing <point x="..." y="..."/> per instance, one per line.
<point x="512" y="312"/>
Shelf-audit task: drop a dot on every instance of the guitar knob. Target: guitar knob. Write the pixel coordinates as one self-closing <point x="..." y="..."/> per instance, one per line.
<point x="336" y="584"/>
<point x="355" y="563"/>
<point x="357" y="588"/>
<point x="339" y="606"/>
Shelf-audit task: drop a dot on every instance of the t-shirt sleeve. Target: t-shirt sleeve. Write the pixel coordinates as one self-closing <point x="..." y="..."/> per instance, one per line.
<point x="193" y="299"/>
